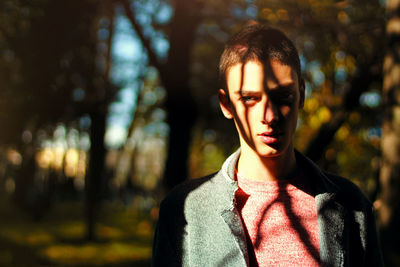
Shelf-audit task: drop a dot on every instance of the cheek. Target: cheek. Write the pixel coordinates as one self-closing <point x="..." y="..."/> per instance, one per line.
<point x="286" y="111"/>
<point x="242" y="112"/>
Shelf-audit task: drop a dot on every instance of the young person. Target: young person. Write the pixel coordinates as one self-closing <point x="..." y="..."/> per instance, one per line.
<point x="269" y="205"/>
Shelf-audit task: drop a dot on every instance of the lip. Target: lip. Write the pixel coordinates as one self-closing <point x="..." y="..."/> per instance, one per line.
<point x="270" y="137"/>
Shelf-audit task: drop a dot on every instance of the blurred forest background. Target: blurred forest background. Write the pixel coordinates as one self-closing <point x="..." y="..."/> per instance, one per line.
<point x="106" y="105"/>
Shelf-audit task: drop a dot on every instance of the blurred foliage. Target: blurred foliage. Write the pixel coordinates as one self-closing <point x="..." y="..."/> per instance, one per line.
<point x="46" y="64"/>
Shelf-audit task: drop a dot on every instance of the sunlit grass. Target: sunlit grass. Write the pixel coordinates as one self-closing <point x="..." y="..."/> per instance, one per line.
<point x="71" y="230"/>
<point x="123" y="237"/>
<point x="96" y="254"/>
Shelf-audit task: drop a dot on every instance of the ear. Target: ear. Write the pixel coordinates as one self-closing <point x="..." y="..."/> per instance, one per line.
<point x="302" y="88"/>
<point x="224" y="103"/>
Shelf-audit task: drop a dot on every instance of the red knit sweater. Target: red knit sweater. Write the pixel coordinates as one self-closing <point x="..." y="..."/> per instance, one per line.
<point x="281" y="222"/>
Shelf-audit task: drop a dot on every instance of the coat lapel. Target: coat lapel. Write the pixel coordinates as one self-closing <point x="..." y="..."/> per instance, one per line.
<point x="234" y="223"/>
<point x="331" y="216"/>
<point x="229" y="213"/>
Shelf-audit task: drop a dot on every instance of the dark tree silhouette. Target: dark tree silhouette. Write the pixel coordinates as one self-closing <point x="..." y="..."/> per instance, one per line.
<point x="174" y="74"/>
<point x="389" y="216"/>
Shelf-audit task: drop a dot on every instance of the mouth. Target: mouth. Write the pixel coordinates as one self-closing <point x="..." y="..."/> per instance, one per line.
<point x="270" y="137"/>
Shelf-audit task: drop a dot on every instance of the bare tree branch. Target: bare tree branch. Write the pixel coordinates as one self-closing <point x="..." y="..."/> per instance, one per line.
<point x="359" y="84"/>
<point x="153" y="58"/>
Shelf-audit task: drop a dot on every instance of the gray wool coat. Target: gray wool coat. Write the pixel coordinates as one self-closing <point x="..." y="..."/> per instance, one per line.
<point x="200" y="226"/>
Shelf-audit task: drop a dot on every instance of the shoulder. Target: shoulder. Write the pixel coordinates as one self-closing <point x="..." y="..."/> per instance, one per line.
<point x="349" y="193"/>
<point x="345" y="190"/>
<point x="177" y="197"/>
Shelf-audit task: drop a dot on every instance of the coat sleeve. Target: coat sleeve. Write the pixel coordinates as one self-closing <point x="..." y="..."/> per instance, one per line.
<point x="164" y="245"/>
<point x="373" y="251"/>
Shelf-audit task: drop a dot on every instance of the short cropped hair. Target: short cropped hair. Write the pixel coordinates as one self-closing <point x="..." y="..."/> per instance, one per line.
<point x="261" y="43"/>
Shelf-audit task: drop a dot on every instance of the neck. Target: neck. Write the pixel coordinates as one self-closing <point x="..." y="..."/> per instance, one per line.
<point x="255" y="167"/>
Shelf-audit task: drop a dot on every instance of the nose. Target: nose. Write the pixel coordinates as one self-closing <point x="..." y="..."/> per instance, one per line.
<point x="270" y="113"/>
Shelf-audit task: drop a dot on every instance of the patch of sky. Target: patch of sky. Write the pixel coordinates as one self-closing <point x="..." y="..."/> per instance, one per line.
<point x="340" y="74"/>
<point x="157" y="129"/>
<point x="370" y="99"/>
<point x="375" y="132"/>
<point x="123" y="75"/>
<point x="252" y="11"/>
<point x="143" y="18"/>
<point x="122" y="26"/>
<point x="164" y="13"/>
<point x="126" y="47"/>
<point x="78" y="94"/>
<point x="85" y="122"/>
<point x="318" y="77"/>
<point x="308" y="89"/>
<point x="118" y="108"/>
<point x="303" y="62"/>
<point x="121" y="119"/>
<point x="372" y="133"/>
<point x="129" y="61"/>
<point x="314" y="68"/>
<point x="121" y="111"/>
<point x="128" y="96"/>
<point x="115" y="136"/>
<point x="161" y="45"/>
<point x="238" y="12"/>
<point x="126" y="51"/>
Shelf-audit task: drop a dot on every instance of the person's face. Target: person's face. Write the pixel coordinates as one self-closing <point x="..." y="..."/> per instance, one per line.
<point x="264" y="100"/>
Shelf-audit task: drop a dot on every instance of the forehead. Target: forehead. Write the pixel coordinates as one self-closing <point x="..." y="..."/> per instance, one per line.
<point x="254" y="75"/>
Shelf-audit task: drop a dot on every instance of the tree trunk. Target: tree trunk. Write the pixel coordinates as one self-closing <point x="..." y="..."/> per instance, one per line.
<point x="94" y="179"/>
<point x="389" y="215"/>
<point x="175" y="77"/>
<point x="25" y="178"/>
<point x="180" y="104"/>
<point x="181" y="117"/>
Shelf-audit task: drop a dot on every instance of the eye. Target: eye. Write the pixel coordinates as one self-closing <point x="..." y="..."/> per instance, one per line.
<point x="247" y="98"/>
<point x="283" y="99"/>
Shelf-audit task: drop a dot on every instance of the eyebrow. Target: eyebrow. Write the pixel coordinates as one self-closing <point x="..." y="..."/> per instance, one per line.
<point x="285" y="88"/>
<point x="245" y="92"/>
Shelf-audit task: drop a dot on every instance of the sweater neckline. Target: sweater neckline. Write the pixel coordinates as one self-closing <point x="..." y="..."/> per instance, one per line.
<point x="250" y="186"/>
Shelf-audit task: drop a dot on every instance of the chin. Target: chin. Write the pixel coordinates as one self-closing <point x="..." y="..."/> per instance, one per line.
<point x="269" y="153"/>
